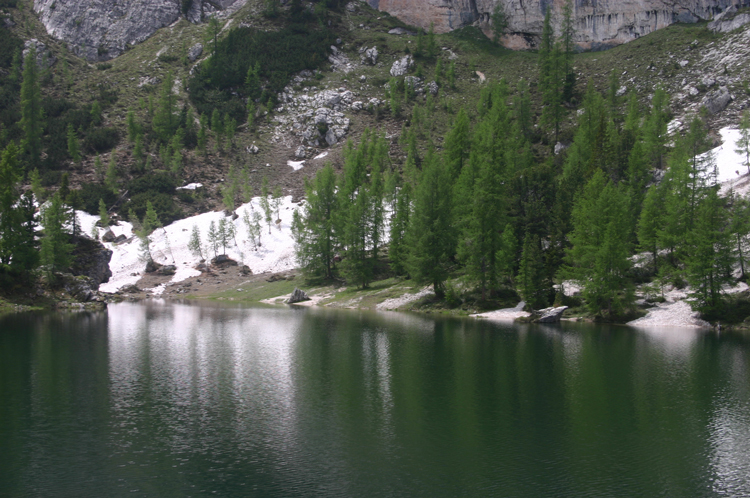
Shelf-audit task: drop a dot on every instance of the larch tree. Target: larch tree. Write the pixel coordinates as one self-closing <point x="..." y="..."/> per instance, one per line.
<point x="32" y="113"/>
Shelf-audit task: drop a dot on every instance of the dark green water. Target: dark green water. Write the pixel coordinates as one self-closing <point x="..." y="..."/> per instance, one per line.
<point x="179" y="400"/>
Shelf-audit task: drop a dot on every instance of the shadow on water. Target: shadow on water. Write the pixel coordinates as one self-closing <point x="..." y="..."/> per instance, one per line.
<point x="185" y="399"/>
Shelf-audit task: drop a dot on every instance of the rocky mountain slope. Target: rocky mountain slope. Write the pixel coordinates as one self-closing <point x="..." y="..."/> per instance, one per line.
<point x="103" y="29"/>
<point x="598" y="23"/>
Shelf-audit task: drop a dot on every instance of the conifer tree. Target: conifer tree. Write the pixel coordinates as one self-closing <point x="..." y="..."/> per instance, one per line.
<point x="32" y="113"/>
<point x="709" y="264"/>
<point x="276" y="202"/>
<point x="213" y="238"/>
<point x="110" y="179"/>
<point x="202" y="136"/>
<point x="531" y="281"/>
<point x="195" y="245"/>
<point x="457" y="144"/>
<point x="743" y="143"/>
<point x="252" y="224"/>
<point x="655" y="128"/>
<point x="103" y="214"/>
<point x="650" y="222"/>
<point x="740" y="229"/>
<point x="56" y="248"/>
<point x="429" y="239"/>
<point x="165" y="122"/>
<point x="265" y="203"/>
<point x="73" y="147"/>
<point x="96" y="113"/>
<point x="132" y="126"/>
<point x="18" y="252"/>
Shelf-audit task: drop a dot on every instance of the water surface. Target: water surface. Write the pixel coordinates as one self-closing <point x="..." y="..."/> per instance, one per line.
<point x="194" y="400"/>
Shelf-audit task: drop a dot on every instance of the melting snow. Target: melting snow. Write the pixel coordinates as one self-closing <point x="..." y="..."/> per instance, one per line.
<point x="190" y="186"/>
<point x="296" y="165"/>
<point x="169" y="245"/>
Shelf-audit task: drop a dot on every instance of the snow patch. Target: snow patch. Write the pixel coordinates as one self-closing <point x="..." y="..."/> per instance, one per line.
<point x="296" y="165"/>
<point x="169" y="245"/>
<point x="190" y="186"/>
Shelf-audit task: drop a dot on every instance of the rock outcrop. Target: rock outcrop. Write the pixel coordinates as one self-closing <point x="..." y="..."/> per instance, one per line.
<point x="297" y="296"/>
<point x="103" y="29"/>
<point x="598" y="23"/>
<point x="91" y="259"/>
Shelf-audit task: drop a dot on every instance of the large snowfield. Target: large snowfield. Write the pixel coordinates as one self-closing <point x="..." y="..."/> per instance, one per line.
<point x="170" y="245"/>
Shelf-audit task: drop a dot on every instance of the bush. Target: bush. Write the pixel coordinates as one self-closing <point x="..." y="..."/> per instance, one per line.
<point x="158" y="181"/>
<point x="164" y="206"/>
<point x="101" y="139"/>
<point x="280" y="54"/>
<point x="90" y="195"/>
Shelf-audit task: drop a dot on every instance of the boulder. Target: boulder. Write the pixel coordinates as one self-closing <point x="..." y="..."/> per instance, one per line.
<point x="245" y="270"/>
<point x="550" y="315"/>
<point x="120" y="239"/>
<point x="167" y="270"/>
<point x="152" y="266"/>
<point x="433" y="87"/>
<point x="108" y="236"/>
<point x="91" y="259"/>
<point x="81" y="288"/>
<point x="223" y="260"/>
<point x="300" y="153"/>
<point x="402" y="66"/>
<point x="297" y="296"/>
<point x="718" y="100"/>
<point x="195" y="51"/>
<point x="370" y="56"/>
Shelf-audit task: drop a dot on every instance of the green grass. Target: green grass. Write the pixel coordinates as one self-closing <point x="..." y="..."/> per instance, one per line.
<point x="256" y="291"/>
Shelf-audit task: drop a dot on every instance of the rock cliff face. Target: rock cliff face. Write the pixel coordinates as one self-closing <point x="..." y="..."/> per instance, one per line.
<point x="102" y="29"/>
<point x="599" y="23"/>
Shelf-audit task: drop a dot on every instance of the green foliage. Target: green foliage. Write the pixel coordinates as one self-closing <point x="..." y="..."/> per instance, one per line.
<point x="277" y="55"/>
<point x="499" y="22"/>
<point x="55" y="245"/>
<point x="195" y="245"/>
<point x="17" y="238"/>
<point x="429" y="232"/>
<point x="32" y="114"/>
<point x="103" y="214"/>
<point x="73" y="148"/>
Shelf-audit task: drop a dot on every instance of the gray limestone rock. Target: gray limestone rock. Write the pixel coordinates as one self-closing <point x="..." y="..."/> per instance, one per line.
<point x="718" y="100"/>
<point x="300" y="153"/>
<point x="402" y="66"/>
<point x="103" y="29"/>
<point x="599" y="24"/>
<point x="297" y="296"/>
<point x="370" y="56"/>
<point x="551" y="315"/>
<point x="195" y="51"/>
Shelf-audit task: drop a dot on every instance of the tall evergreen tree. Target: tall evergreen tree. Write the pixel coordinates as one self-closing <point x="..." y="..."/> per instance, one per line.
<point x="18" y="253"/>
<point x="709" y="264"/>
<point x="315" y="237"/>
<point x="429" y="237"/>
<point x="166" y="121"/>
<point x="598" y="256"/>
<point x="32" y="113"/>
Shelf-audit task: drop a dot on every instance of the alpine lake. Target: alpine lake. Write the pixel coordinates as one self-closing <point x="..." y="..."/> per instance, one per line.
<point x="168" y="399"/>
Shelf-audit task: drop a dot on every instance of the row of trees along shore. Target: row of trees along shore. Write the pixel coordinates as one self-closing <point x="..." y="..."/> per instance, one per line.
<point x="627" y="203"/>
